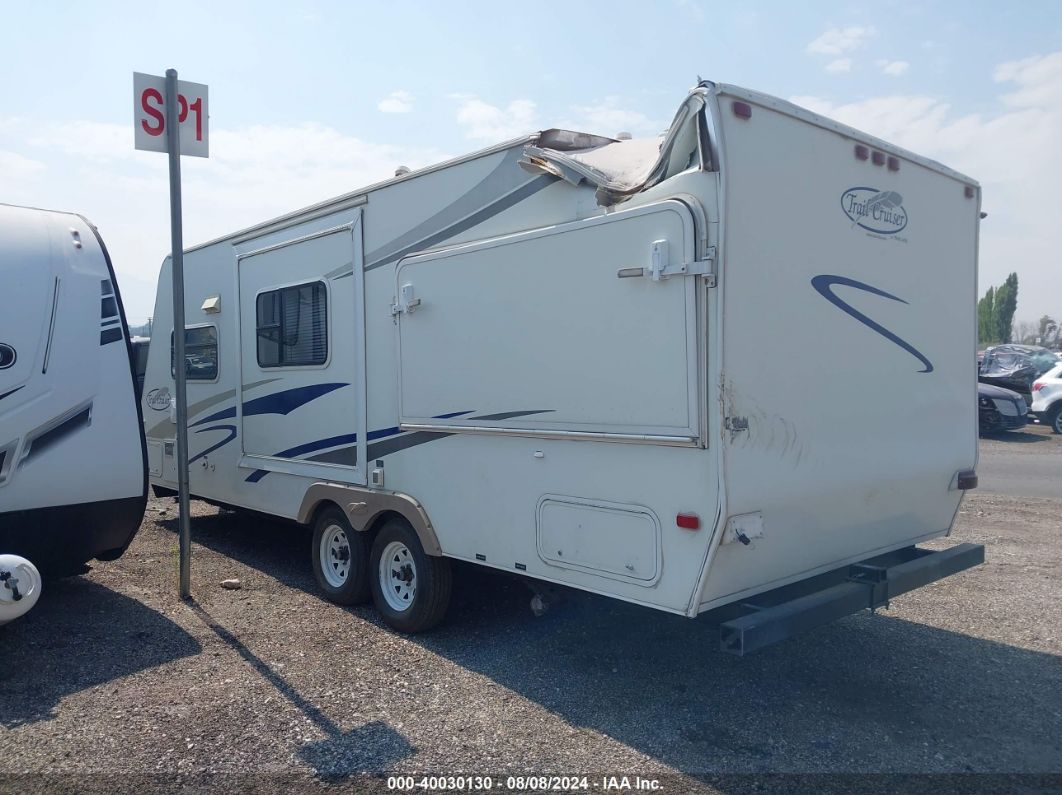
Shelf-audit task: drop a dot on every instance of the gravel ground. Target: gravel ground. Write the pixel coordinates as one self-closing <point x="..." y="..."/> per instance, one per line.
<point x="111" y="679"/>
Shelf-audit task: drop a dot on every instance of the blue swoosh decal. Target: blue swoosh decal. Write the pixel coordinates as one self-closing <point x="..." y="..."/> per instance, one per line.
<point x="232" y="435"/>
<point x="321" y="444"/>
<point x="825" y="283"/>
<point x="335" y="441"/>
<point x="283" y="402"/>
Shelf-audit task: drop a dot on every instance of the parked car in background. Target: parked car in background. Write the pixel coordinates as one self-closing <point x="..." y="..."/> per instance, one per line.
<point x="1014" y="366"/>
<point x="1000" y="409"/>
<point x="1047" y="398"/>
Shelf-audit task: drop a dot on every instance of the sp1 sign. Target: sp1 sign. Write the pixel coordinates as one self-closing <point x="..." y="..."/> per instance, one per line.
<point x="149" y="115"/>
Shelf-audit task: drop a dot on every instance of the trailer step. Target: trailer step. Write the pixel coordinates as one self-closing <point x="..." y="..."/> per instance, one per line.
<point x="870" y="584"/>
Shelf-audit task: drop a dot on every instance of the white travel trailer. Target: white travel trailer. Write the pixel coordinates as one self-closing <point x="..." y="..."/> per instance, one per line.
<point x="73" y="474"/>
<point x="586" y="360"/>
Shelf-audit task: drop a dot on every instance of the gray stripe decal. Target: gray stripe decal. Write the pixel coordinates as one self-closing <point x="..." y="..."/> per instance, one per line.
<point x="395" y="444"/>
<point x="347" y="456"/>
<point x="498" y="191"/>
<point x="504" y="203"/>
<point x="337" y="273"/>
<point x="506" y="177"/>
<point x="508" y="415"/>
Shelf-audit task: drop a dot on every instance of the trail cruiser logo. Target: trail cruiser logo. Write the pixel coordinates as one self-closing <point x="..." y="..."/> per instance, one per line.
<point x="878" y="211"/>
<point x="158" y="399"/>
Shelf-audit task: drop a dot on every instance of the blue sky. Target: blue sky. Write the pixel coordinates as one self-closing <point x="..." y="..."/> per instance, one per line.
<point x="313" y="99"/>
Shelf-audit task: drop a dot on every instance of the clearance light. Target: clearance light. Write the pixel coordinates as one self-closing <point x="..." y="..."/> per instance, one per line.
<point x="878" y="158"/>
<point x="861" y="152"/>
<point x="742" y="110"/>
<point x="688" y="521"/>
<point x="894" y="163"/>
<point x="968" y="191"/>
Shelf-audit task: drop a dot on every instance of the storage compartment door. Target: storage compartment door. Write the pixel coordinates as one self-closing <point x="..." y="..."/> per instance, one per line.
<point x="536" y="333"/>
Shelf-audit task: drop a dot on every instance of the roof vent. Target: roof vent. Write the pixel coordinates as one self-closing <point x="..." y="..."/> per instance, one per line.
<point x="623" y="136"/>
<point x="401" y="171"/>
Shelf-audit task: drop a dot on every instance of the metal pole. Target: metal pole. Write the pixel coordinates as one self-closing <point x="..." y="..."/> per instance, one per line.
<point x="173" y="143"/>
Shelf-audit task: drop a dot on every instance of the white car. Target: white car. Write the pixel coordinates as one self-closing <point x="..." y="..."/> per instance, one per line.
<point x="1047" y="398"/>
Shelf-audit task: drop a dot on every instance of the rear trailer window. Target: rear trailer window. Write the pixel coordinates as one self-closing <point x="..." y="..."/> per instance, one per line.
<point x="200" y="353"/>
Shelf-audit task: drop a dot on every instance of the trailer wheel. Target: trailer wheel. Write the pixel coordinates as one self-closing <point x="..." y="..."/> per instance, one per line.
<point x="411" y="589"/>
<point x="340" y="559"/>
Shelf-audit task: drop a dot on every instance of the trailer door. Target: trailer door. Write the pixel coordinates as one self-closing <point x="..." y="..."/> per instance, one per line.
<point x="561" y="331"/>
<point x="302" y="390"/>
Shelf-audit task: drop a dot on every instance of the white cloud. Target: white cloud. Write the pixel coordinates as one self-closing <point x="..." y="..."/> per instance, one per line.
<point x="86" y="139"/>
<point x="396" y="102"/>
<point x="494" y="124"/>
<point x="839" y="66"/>
<point x="1038" y="79"/>
<point x="837" y="41"/>
<point x="892" y="68"/>
<point x="15" y="167"/>
<point x="1014" y="154"/>
<point x="252" y="174"/>
<point x="610" y="116"/>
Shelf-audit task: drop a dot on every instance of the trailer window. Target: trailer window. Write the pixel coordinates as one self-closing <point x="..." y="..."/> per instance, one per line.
<point x="293" y="326"/>
<point x="200" y="353"/>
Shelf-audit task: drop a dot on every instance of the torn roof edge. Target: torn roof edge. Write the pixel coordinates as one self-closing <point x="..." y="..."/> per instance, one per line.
<point x="617" y="168"/>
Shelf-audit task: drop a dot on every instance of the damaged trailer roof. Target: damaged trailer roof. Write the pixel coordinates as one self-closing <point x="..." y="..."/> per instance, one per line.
<point x="620" y="169"/>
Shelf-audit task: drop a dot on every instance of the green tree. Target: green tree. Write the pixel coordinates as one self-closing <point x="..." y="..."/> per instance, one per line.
<point x="1006" y="301"/>
<point x="986" y="329"/>
<point x="1048" y="330"/>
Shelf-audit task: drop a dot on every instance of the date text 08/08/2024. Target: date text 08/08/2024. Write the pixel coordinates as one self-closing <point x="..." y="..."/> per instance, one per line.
<point x="523" y="783"/>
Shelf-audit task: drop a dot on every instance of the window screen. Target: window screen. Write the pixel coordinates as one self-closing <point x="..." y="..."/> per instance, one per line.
<point x="200" y="353"/>
<point x="293" y="326"/>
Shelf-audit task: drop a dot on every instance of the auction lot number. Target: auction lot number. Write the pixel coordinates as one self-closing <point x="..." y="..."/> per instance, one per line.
<point x="483" y="783"/>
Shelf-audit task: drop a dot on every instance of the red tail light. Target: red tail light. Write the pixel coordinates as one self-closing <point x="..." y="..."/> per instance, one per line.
<point x="688" y="521"/>
<point x="1037" y="386"/>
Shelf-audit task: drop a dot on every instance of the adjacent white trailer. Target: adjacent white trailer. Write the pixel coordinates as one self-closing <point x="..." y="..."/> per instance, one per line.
<point x="73" y="474"/>
<point x="585" y="360"/>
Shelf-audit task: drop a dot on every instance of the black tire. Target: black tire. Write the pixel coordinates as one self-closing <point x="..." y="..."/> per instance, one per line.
<point x="426" y="605"/>
<point x="62" y="568"/>
<point x="1054" y="418"/>
<point x="347" y="585"/>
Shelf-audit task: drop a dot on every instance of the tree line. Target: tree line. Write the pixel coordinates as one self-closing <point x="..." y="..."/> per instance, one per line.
<point x="995" y="320"/>
<point x="995" y="312"/>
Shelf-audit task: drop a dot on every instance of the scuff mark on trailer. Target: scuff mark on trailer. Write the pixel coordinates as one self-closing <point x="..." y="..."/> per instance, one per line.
<point x="758" y="428"/>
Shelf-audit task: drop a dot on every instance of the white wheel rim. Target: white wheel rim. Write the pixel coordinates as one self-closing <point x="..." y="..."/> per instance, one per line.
<point x="398" y="576"/>
<point x="335" y="555"/>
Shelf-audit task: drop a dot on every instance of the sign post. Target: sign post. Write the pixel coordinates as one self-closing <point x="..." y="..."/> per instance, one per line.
<point x="161" y="109"/>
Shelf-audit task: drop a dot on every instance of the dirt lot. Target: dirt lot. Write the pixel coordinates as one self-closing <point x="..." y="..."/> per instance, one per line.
<point x="112" y="683"/>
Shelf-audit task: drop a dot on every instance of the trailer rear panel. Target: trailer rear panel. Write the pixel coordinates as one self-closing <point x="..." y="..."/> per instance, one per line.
<point x="849" y="285"/>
